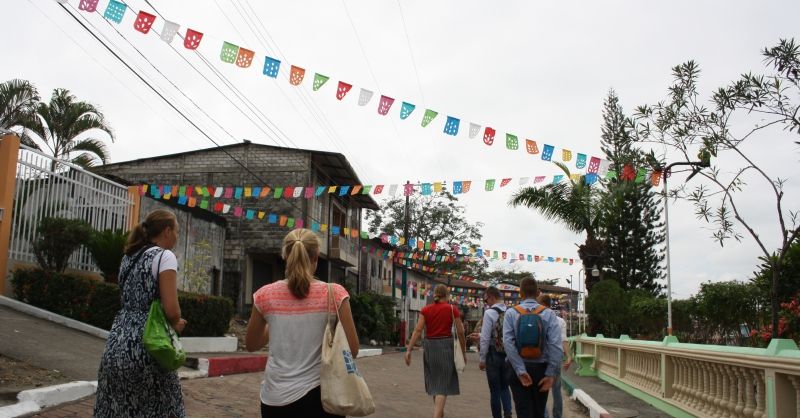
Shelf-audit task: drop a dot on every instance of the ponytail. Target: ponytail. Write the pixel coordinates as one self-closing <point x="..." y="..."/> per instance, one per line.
<point x="299" y="247"/>
<point x="143" y="233"/>
<point x="440" y="293"/>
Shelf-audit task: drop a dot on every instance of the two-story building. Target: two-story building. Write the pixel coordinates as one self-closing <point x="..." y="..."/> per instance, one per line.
<point x="253" y="246"/>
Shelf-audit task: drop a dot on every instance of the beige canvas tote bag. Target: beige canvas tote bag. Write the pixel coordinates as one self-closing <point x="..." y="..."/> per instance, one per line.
<point x="458" y="355"/>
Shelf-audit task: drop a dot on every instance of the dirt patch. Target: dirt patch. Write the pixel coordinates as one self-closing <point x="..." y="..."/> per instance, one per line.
<point x="16" y="376"/>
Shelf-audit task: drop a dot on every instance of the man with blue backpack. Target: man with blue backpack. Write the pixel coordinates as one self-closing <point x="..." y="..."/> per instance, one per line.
<point x="532" y="341"/>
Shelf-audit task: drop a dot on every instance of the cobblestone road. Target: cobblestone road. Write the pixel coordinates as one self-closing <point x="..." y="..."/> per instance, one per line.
<point x="398" y="390"/>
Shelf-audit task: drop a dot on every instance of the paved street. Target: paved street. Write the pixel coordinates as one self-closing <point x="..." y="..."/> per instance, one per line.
<point x="398" y="391"/>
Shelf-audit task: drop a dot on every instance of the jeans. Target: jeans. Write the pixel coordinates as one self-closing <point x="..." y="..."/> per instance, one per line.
<point x="558" y="401"/>
<point x="528" y="401"/>
<point x="499" y="393"/>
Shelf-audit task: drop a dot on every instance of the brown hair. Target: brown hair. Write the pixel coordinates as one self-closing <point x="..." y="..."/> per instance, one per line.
<point x="299" y="247"/>
<point x="492" y="291"/>
<point x="528" y="287"/>
<point x="440" y="293"/>
<point x="152" y="226"/>
<point x="545" y="300"/>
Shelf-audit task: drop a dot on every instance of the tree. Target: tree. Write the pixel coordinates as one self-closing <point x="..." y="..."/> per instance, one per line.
<point x="432" y="218"/>
<point x="722" y="308"/>
<point x="608" y="307"/>
<point x="107" y="249"/>
<point x="689" y="127"/>
<point x="630" y="222"/>
<point x="56" y="240"/>
<point x="576" y="205"/>
<point x="65" y="127"/>
<point x="18" y="98"/>
<point x="788" y="287"/>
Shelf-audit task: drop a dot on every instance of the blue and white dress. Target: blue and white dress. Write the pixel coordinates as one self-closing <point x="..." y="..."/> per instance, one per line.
<point x="130" y="383"/>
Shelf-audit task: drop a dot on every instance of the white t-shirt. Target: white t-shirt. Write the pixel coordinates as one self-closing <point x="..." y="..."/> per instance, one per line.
<point x="563" y="324"/>
<point x="168" y="261"/>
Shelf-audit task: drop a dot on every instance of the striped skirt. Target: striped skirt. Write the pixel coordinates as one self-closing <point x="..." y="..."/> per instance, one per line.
<point x="441" y="377"/>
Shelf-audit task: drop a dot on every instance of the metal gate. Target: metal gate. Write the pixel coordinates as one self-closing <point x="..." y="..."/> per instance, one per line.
<point x="48" y="187"/>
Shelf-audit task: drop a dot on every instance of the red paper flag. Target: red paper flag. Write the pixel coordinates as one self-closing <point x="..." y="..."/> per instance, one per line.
<point x="628" y="173"/>
<point x="343" y="89"/>
<point x="504" y="182"/>
<point x="531" y="146"/>
<point x="192" y="39"/>
<point x="288" y="191"/>
<point x="296" y="75"/>
<point x="218" y="207"/>
<point x="488" y="136"/>
<point x="143" y="22"/>
<point x="378" y="189"/>
<point x="88" y="5"/>
<point x="245" y="57"/>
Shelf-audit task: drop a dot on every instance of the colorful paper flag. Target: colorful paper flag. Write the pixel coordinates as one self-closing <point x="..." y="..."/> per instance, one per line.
<point x="531" y="147"/>
<point x="229" y="52"/>
<point x="342" y="90"/>
<point x="547" y="152"/>
<point x="428" y="117"/>
<point x="250" y="214"/>
<point x="451" y="127"/>
<point x="144" y="21"/>
<point x="566" y="155"/>
<point x="364" y="97"/>
<point x="384" y="105"/>
<point x="169" y="30"/>
<point x="558" y="178"/>
<point x="237" y="194"/>
<point x="319" y="81"/>
<point x="512" y="142"/>
<point x="426" y="189"/>
<point x="581" y="161"/>
<point x="356" y="188"/>
<point x="378" y="189"/>
<point x="594" y="165"/>
<point x="489" y="185"/>
<point x="271" y="67"/>
<point x="655" y="178"/>
<point x="465" y="186"/>
<point x="273" y="218"/>
<point x="320" y="191"/>
<point x="474" y="130"/>
<point x="115" y="11"/>
<point x="296" y="75"/>
<point x="278" y="193"/>
<point x="488" y="136"/>
<point x="456" y="187"/>
<point x="297" y="192"/>
<point x="192" y="39"/>
<point x="406" y="109"/>
<point x="504" y="182"/>
<point x="244" y="58"/>
<point x="88" y="5"/>
<point x="408" y="189"/>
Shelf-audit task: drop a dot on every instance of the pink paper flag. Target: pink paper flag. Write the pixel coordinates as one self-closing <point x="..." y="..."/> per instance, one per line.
<point x="385" y="104"/>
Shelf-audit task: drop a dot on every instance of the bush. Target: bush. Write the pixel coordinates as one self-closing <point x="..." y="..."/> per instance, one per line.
<point x="56" y="240"/>
<point x="107" y="249"/>
<point x="374" y="316"/>
<point x="97" y="303"/>
<point x="205" y="315"/>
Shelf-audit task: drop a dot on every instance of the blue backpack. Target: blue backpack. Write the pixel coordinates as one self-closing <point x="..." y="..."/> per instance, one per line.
<point x="530" y="332"/>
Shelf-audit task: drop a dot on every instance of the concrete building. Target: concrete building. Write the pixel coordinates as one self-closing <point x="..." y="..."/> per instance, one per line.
<point x="252" y="246"/>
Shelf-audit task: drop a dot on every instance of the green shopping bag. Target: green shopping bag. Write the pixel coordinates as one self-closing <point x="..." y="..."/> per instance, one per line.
<point x="160" y="340"/>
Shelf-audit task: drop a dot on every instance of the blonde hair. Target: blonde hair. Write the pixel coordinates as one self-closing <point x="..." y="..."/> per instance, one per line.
<point x="152" y="226"/>
<point x="440" y="293"/>
<point x="299" y="247"/>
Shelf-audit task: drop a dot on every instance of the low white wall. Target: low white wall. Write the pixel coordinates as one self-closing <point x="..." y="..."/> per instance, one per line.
<point x="47" y="315"/>
<point x="209" y="344"/>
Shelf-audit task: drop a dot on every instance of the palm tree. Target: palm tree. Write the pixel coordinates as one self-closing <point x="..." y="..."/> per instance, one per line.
<point x="66" y="126"/>
<point x="18" y="98"/>
<point x="576" y="205"/>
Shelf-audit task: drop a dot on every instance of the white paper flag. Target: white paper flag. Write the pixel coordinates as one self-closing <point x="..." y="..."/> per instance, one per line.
<point x="474" y="130"/>
<point x="364" y="97"/>
<point x="169" y="31"/>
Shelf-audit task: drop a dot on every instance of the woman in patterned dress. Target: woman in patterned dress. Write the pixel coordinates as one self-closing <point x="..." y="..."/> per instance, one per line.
<point x="130" y="383"/>
<point x="291" y="314"/>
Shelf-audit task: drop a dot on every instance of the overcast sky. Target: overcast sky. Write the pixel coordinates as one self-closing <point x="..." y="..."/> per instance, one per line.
<point x="540" y="70"/>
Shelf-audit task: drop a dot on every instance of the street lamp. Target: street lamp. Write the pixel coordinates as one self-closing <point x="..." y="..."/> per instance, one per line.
<point x="570" y="304"/>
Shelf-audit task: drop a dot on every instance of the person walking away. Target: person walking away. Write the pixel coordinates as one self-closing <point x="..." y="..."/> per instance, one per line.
<point x="558" y="401"/>
<point x="130" y="383"/>
<point x="532" y="339"/>
<point x="493" y="354"/>
<point x="437" y="319"/>
<point x="291" y="315"/>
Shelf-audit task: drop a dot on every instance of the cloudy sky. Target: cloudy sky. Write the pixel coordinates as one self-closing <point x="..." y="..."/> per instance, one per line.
<point x="539" y="70"/>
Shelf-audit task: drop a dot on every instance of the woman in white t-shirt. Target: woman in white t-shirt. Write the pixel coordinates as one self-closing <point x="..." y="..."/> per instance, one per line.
<point x="130" y="383"/>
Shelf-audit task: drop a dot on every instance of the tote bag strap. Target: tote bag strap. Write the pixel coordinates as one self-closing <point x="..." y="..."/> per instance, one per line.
<point x="158" y="267"/>
<point x="333" y="314"/>
<point x="453" y="318"/>
<point x="133" y="263"/>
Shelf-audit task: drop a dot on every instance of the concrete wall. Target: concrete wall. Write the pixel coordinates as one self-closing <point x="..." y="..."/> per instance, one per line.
<point x="200" y="249"/>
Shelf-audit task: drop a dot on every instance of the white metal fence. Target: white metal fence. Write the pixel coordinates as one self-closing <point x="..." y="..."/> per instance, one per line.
<point x="47" y="187"/>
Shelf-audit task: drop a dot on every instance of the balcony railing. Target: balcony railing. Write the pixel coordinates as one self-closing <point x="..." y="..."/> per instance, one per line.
<point x="700" y="380"/>
<point x="344" y="249"/>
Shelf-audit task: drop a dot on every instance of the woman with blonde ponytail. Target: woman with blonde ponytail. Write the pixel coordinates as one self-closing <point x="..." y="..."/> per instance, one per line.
<point x="291" y="315"/>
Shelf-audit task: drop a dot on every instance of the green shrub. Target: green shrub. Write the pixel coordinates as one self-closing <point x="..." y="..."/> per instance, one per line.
<point x="97" y="303"/>
<point x="205" y="315"/>
<point x="107" y="249"/>
<point x="56" y="240"/>
<point x="374" y="316"/>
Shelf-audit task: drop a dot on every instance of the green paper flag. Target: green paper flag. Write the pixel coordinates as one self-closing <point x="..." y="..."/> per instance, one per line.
<point x="204" y="204"/>
<point x="290" y="224"/>
<point x="512" y="142"/>
<point x="611" y="175"/>
<point x="428" y="117"/>
<point x="278" y="193"/>
<point x="641" y="175"/>
<point x="319" y="80"/>
<point x="229" y="52"/>
<point x="364" y="235"/>
<point x="489" y="185"/>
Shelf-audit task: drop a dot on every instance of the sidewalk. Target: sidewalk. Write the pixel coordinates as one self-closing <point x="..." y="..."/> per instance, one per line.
<point x="618" y="403"/>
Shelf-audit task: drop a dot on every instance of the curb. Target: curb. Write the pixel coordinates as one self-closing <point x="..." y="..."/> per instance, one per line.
<point x="220" y="366"/>
<point x="34" y="400"/>
<point x="52" y="317"/>
<point x="578" y="395"/>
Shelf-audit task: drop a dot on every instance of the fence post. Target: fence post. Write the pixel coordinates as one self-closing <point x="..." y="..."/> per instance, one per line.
<point x="136" y="198"/>
<point x="9" y="153"/>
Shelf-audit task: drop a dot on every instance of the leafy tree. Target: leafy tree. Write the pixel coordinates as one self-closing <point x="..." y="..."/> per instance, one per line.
<point x="511" y="277"/>
<point x="196" y="276"/>
<point x="722" y="308"/>
<point x="18" y="98"/>
<point x="608" y="307"/>
<point x="66" y="127"/>
<point x="576" y="205"/>
<point x="56" y="240"/>
<point x="436" y="217"/>
<point x="686" y="125"/>
<point x="789" y="285"/>
<point x="630" y="222"/>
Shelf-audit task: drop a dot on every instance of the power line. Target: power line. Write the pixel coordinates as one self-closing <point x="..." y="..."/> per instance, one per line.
<point x="160" y="95"/>
<point x="411" y="52"/>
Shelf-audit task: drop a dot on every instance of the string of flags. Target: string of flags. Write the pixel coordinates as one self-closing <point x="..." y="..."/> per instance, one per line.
<point x="424" y="249"/>
<point x="242" y="57"/>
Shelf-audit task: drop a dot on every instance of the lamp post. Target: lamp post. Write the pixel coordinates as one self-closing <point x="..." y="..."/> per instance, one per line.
<point x="570" y="304"/>
<point x="580" y="296"/>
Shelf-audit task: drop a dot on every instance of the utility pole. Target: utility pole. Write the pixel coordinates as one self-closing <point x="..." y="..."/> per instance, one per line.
<point x="404" y="284"/>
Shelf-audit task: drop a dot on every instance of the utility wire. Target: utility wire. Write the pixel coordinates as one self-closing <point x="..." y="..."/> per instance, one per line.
<point x="411" y="52"/>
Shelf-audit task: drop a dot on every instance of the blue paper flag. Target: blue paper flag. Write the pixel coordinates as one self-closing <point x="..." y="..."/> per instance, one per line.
<point x="343" y="190"/>
<point x="271" y="67"/>
<point x="406" y="110"/>
<point x="451" y="127"/>
<point x="426" y="189"/>
<point x="590" y="178"/>
<point x="315" y="226"/>
<point x="182" y="200"/>
<point x="335" y="230"/>
<point x="530" y="257"/>
<point x="547" y="152"/>
<point x="557" y="178"/>
<point x="320" y="190"/>
<point x="256" y="192"/>
<point x="457" y="187"/>
<point x="237" y="193"/>
<point x="167" y="189"/>
<point x="115" y="11"/>
<point x="273" y="218"/>
<point x="479" y="252"/>
<point x="580" y="162"/>
<point x="250" y="213"/>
